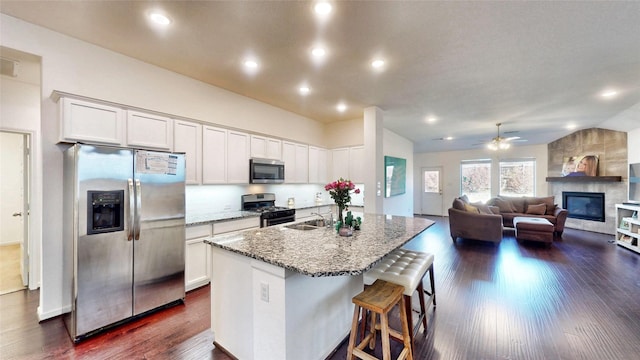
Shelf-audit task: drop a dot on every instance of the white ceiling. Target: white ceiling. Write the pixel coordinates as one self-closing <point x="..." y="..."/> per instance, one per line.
<point x="533" y="66"/>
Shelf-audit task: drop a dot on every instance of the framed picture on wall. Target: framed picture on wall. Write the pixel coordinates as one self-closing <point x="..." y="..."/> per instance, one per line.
<point x="395" y="176"/>
<point x="582" y="165"/>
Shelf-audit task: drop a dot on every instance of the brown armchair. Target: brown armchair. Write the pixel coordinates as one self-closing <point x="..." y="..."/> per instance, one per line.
<point x="469" y="225"/>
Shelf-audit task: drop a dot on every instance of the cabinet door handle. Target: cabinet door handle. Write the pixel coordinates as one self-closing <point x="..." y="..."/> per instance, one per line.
<point x="17" y="214"/>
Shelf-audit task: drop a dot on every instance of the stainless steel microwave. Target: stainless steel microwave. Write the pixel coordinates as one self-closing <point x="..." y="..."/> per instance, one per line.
<point x="266" y="171"/>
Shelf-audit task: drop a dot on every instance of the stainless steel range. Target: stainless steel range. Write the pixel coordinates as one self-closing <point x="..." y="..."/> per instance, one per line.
<point x="270" y="214"/>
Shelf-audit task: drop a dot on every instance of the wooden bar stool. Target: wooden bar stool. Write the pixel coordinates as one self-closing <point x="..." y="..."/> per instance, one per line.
<point x="379" y="298"/>
<point x="407" y="268"/>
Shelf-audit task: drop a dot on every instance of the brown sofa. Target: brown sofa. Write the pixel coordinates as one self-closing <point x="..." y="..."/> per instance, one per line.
<point x="541" y="207"/>
<point x="474" y="221"/>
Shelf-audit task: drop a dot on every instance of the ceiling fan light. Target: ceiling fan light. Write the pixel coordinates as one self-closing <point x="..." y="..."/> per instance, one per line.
<point x="492" y="146"/>
<point x="503" y="145"/>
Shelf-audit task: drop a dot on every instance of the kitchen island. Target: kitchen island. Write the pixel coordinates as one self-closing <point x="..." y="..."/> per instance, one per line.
<point x="282" y="293"/>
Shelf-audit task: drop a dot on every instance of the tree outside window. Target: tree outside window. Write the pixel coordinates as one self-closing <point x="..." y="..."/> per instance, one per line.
<point x="517" y="177"/>
<point x="475" y="180"/>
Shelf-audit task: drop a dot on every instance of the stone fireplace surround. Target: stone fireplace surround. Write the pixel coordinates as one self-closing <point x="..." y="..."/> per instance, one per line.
<point x="611" y="148"/>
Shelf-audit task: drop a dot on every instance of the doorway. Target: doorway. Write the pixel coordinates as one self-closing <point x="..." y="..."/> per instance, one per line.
<point x="432" y="191"/>
<point x="14" y="211"/>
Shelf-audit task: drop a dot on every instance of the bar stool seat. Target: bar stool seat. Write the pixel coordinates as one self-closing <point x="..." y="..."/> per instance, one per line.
<point x="379" y="298"/>
<point x="407" y="268"/>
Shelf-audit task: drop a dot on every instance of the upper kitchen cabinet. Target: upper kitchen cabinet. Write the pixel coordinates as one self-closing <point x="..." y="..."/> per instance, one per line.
<point x="356" y="164"/>
<point x="237" y="157"/>
<point x="317" y="165"/>
<point x="296" y="162"/>
<point x="91" y="122"/>
<point x="348" y="163"/>
<point x="214" y="155"/>
<point x="340" y="164"/>
<point x="149" y="131"/>
<point x="187" y="138"/>
<point x="266" y="148"/>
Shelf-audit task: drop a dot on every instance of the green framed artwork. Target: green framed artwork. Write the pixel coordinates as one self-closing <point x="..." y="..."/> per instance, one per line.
<point x="395" y="176"/>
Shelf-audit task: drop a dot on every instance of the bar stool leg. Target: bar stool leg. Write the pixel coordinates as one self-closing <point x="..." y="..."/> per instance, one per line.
<point x="407" y="334"/>
<point x="384" y="335"/>
<point x="354" y="331"/>
<point x="423" y="308"/>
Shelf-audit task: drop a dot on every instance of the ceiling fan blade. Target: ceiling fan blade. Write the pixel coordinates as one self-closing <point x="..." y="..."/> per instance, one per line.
<point x="512" y="138"/>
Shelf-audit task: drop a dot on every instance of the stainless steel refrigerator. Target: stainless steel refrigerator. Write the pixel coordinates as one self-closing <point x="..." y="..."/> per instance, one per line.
<point x="124" y="234"/>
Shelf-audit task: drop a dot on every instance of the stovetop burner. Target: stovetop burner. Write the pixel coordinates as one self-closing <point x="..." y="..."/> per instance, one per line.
<point x="265" y="205"/>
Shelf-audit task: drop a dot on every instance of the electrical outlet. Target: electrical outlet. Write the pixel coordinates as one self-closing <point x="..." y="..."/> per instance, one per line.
<point x="264" y="292"/>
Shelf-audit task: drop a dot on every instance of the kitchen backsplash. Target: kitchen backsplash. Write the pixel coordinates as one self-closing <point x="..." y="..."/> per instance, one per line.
<point x="221" y="198"/>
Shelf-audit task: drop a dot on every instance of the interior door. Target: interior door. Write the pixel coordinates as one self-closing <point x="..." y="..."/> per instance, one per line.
<point x="13" y="208"/>
<point x="432" y="191"/>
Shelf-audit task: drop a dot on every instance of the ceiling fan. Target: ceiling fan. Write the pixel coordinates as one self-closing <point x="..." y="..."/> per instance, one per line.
<point x="501" y="143"/>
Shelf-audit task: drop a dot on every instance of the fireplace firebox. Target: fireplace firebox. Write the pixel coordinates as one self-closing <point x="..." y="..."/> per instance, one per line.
<point x="584" y="205"/>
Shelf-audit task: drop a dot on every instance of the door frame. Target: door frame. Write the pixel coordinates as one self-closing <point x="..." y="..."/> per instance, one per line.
<point x="32" y="234"/>
<point x="422" y="192"/>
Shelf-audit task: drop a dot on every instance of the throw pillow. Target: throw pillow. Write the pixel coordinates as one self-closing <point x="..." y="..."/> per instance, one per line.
<point x="464" y="198"/>
<point x="539" y="209"/>
<point x="471" y="208"/>
<point x="548" y="201"/>
<point x="484" y="209"/>
<point x="494" y="210"/>
<point x="503" y="205"/>
<point x="458" y="204"/>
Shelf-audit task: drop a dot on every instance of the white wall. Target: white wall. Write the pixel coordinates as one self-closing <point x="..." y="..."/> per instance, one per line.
<point x="450" y="163"/>
<point x="77" y="67"/>
<point x="400" y="147"/>
<point x="344" y="133"/>
<point x="20" y="112"/>
<point x="633" y="145"/>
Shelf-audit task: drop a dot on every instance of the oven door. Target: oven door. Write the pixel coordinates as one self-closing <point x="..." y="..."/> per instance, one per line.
<point x="277" y="220"/>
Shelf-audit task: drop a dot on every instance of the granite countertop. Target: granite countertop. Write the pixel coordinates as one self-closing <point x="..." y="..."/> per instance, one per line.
<point x="322" y="252"/>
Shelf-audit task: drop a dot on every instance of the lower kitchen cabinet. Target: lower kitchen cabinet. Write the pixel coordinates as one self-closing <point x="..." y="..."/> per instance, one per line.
<point x="197" y="270"/>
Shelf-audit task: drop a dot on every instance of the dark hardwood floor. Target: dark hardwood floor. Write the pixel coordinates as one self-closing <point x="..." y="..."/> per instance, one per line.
<point x="579" y="299"/>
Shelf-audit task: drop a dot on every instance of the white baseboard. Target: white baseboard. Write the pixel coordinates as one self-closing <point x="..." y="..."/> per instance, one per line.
<point x="52" y="313"/>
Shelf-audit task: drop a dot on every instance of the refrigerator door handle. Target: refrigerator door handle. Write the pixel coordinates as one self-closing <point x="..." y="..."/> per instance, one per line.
<point x="138" y="207"/>
<point x="131" y="210"/>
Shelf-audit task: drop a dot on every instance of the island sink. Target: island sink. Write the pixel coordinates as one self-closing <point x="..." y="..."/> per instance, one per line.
<point x="307" y="225"/>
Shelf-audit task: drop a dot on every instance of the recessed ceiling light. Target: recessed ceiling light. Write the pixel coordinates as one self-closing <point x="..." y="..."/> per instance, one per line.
<point x="251" y="64"/>
<point x="377" y="64"/>
<point x="609" y="93"/>
<point x="304" y="90"/>
<point x="318" y="52"/>
<point x="571" y="126"/>
<point x="322" y="8"/>
<point x="449" y="138"/>
<point x="341" y="107"/>
<point x="159" y="18"/>
<point x="431" y="119"/>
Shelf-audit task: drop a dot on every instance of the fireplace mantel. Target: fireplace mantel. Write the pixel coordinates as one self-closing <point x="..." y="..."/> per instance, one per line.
<point x="584" y="179"/>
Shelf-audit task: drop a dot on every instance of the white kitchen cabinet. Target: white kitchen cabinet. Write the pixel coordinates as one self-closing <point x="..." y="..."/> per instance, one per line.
<point x="149" y="131"/>
<point x="187" y="138"/>
<point x="317" y="165"/>
<point x="348" y="163"/>
<point x="214" y="155"/>
<point x="91" y="122"/>
<point x="236" y="225"/>
<point x="266" y="148"/>
<point x="296" y="162"/>
<point x="339" y="164"/>
<point x="356" y="164"/>
<point x="237" y="157"/>
<point x="197" y="271"/>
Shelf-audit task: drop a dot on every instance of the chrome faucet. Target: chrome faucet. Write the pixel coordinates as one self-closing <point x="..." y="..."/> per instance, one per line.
<point x="326" y="223"/>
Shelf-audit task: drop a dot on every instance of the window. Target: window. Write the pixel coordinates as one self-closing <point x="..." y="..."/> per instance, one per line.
<point x="475" y="180"/>
<point x="432" y="181"/>
<point x="518" y="177"/>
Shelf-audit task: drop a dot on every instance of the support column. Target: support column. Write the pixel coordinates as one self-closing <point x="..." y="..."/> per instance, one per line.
<point x="374" y="161"/>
